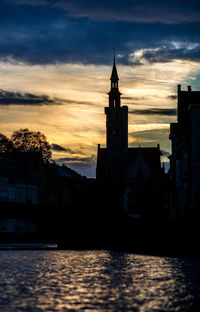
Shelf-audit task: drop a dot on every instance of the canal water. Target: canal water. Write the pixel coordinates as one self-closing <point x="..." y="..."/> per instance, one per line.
<point x="51" y="280"/>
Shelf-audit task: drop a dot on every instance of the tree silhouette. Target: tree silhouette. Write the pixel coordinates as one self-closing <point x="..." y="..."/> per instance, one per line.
<point x="25" y="140"/>
<point x="6" y="145"/>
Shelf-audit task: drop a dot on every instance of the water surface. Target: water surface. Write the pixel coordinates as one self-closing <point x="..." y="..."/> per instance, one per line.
<point x="49" y="280"/>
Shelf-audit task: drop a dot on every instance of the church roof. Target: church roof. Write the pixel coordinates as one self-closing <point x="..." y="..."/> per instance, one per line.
<point x="151" y="156"/>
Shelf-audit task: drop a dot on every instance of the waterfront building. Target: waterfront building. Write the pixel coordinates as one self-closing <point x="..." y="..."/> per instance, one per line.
<point x="15" y="187"/>
<point x="185" y="157"/>
<point x="17" y="226"/>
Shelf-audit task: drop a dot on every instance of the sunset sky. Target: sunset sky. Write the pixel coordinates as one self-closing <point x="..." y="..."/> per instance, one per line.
<point x="56" y="59"/>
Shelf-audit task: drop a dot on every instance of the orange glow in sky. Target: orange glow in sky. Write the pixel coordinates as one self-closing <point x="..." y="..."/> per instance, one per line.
<point x="77" y="121"/>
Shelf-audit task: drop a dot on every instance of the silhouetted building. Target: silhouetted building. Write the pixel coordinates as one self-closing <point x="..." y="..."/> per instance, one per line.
<point x="15" y="185"/>
<point x="17" y="226"/>
<point x="143" y="180"/>
<point x="185" y="158"/>
<point x="137" y="170"/>
<point x="34" y="193"/>
<point x="117" y="131"/>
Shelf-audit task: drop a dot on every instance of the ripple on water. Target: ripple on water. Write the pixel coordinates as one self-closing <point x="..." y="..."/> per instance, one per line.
<point x="36" y="281"/>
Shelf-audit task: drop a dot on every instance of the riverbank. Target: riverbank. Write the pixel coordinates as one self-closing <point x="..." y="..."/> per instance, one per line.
<point x="119" y="233"/>
<point x="28" y="246"/>
<point x="127" y="234"/>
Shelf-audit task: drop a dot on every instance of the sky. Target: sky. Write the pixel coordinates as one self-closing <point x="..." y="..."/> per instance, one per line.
<point x="55" y="64"/>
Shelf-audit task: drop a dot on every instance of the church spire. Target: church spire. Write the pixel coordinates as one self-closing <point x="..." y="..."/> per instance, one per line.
<point x="116" y="130"/>
<point x="114" y="76"/>
<point x="114" y="94"/>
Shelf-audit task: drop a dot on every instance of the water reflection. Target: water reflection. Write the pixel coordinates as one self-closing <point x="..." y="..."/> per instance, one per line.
<point x="36" y="281"/>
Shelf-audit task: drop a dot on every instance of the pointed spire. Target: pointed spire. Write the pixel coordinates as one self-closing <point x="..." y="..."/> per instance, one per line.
<point x="114" y="76"/>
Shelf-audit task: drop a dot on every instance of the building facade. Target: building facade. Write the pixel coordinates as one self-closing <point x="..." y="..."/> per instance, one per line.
<point x="185" y="157"/>
<point x="18" y="193"/>
<point x="17" y="226"/>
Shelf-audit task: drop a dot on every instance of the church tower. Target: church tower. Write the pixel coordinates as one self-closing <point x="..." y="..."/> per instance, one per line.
<point x="117" y="130"/>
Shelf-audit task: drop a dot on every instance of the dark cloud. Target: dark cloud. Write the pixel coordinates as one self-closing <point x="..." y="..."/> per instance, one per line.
<point x="85" y="166"/>
<point x="20" y="98"/>
<point x="29" y="2"/>
<point x="172" y="51"/>
<point x="155" y="134"/>
<point x="59" y="148"/>
<point x="172" y="97"/>
<point x="134" y="98"/>
<point x="55" y="31"/>
<point x="17" y="98"/>
<point x="155" y="111"/>
<point x="147" y="11"/>
<point x="80" y="160"/>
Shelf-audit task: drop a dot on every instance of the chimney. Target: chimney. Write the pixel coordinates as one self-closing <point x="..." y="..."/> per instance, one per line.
<point x="189" y="88"/>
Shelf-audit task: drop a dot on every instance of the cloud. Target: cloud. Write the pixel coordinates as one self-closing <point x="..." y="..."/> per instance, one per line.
<point x="134" y="98"/>
<point x="138" y="11"/>
<point x="29" y="2"/>
<point x="166" y="52"/>
<point x="84" y="165"/>
<point x="172" y="97"/>
<point x="78" y="160"/>
<point x="148" y="11"/>
<point x="155" y="111"/>
<point x="151" y="138"/>
<point x="20" y="98"/>
<point x="53" y="31"/>
<point x="59" y="148"/>
<point x="153" y="133"/>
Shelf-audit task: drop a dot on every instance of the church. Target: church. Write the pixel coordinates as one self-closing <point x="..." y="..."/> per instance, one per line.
<point x="138" y="170"/>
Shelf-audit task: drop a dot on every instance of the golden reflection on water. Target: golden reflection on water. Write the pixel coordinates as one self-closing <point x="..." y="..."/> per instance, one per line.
<point x="36" y="281"/>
